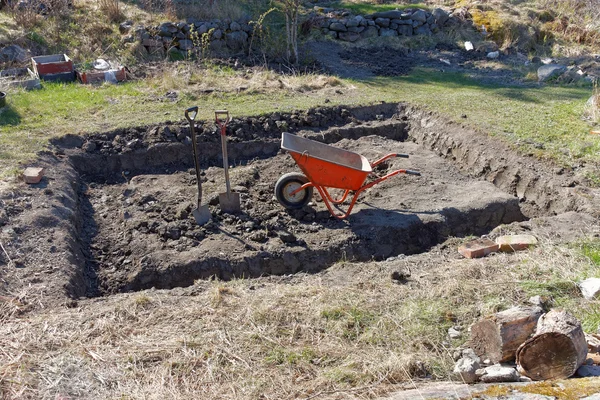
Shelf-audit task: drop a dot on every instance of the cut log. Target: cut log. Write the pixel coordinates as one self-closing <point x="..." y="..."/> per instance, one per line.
<point x="556" y="350"/>
<point x="497" y="338"/>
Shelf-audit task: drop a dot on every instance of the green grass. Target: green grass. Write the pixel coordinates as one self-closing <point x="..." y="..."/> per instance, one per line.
<point x="545" y="121"/>
<point x="362" y="8"/>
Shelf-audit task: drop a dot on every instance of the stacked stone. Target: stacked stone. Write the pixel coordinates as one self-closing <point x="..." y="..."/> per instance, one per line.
<point x="178" y="39"/>
<point x="389" y="23"/>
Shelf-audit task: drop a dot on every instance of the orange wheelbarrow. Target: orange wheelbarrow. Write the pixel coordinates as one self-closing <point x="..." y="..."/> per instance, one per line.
<point x="326" y="167"/>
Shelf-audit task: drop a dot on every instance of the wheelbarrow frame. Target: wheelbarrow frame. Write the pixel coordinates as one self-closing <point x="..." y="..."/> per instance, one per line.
<point x="327" y="167"/>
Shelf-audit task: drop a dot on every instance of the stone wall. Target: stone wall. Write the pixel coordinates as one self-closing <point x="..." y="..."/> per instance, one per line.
<point x="344" y="26"/>
<point x="177" y="40"/>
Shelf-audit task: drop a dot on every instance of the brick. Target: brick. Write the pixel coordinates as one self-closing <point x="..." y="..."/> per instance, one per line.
<point x="512" y="243"/>
<point x="33" y="175"/>
<point x="478" y="248"/>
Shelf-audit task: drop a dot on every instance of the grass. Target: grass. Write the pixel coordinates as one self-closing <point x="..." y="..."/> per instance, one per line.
<point x="367" y="7"/>
<point x="545" y="121"/>
<point x="309" y="335"/>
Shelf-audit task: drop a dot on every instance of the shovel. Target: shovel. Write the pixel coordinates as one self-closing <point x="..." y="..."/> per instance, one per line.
<point x="201" y="213"/>
<point x="230" y="202"/>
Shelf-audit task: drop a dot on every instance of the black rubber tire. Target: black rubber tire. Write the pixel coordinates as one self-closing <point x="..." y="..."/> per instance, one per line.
<point x="288" y="183"/>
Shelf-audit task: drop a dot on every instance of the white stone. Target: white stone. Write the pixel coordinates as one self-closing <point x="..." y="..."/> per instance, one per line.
<point x="469" y="46"/>
<point x="590" y="287"/>
<point x="499" y="373"/>
<point x="454" y="334"/>
<point x="493" y="54"/>
<point x="466" y="368"/>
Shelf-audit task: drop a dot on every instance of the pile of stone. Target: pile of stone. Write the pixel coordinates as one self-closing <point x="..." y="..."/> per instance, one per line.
<point x="409" y="22"/>
<point x="177" y="40"/>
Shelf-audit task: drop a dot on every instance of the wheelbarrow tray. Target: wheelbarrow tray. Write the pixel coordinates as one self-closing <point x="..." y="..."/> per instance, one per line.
<point x="326" y="165"/>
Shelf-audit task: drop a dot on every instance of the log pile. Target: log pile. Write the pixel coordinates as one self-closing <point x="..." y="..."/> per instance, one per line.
<point x="523" y="343"/>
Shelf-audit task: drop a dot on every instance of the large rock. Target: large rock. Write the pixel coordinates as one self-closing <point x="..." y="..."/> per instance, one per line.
<point x="423" y="30"/>
<point x="338" y="27"/>
<point x="236" y="40"/>
<point x="388" y="32"/>
<point x="383" y="22"/>
<point x="186" y="44"/>
<point x="547" y="72"/>
<point x="234" y="26"/>
<point x="352" y="23"/>
<point x="371" y="31"/>
<point x="420" y="16"/>
<point x="14" y="53"/>
<point x="349" y="36"/>
<point x="440" y="16"/>
<point x="405" y="30"/>
<point x="388" y="14"/>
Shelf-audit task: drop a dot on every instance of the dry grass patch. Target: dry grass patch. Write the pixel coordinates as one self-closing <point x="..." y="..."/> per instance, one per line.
<point x="348" y="332"/>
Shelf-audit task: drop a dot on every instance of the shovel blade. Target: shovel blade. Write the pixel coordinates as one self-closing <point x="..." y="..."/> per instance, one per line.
<point x="201" y="215"/>
<point x="230" y="202"/>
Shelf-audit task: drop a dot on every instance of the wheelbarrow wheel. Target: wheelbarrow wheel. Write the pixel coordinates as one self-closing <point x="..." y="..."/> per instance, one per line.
<point x="286" y="185"/>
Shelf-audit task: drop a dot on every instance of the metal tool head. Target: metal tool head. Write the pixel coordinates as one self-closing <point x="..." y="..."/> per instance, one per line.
<point x="201" y="215"/>
<point x="230" y="202"/>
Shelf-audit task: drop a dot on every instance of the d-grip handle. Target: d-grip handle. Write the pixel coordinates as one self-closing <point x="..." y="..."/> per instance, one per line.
<point x="191" y="113"/>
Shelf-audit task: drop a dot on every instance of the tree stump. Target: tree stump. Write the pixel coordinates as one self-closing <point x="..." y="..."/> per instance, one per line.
<point x="556" y="350"/>
<point x="497" y="337"/>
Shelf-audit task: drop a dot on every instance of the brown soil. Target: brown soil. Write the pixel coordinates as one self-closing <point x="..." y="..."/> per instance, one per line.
<point x="114" y="210"/>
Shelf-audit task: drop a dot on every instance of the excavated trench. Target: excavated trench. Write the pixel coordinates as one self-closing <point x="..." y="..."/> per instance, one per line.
<point x="137" y="191"/>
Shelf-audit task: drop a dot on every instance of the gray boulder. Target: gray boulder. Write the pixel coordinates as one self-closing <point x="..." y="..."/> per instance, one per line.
<point x="236" y="40"/>
<point x="383" y="22"/>
<point x="356" y="29"/>
<point x="349" y="36"/>
<point x="405" y="30"/>
<point x="420" y="16"/>
<point x="440" y="16"/>
<point x="547" y="72"/>
<point x="14" y="53"/>
<point x="352" y="23"/>
<point x="371" y="31"/>
<point x="234" y="26"/>
<point x="388" y="32"/>
<point x="467" y="366"/>
<point x="388" y="14"/>
<point x="186" y="44"/>
<point x="338" y="27"/>
<point x="423" y="30"/>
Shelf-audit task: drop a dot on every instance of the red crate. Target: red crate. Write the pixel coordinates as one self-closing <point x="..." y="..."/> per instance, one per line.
<point x="54" y="64"/>
<point x="101" y="76"/>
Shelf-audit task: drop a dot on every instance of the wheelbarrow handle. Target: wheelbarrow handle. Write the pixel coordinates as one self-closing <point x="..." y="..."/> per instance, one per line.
<point x="411" y="172"/>
<point x="402" y="155"/>
<point x="191" y="113"/>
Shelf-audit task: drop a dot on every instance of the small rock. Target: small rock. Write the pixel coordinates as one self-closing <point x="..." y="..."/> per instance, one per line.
<point x="454" y="334"/>
<point x="499" y="373"/>
<point x="89" y="147"/>
<point x="590" y="287"/>
<point x="547" y="72"/>
<point x="466" y="368"/>
<point x="469" y="46"/>
<point x="493" y="54"/>
<point x="588" y="370"/>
